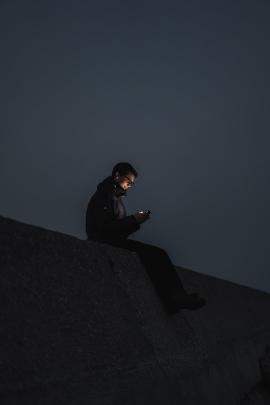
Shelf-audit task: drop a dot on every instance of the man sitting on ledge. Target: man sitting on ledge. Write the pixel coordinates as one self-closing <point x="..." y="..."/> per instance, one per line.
<point x="107" y="222"/>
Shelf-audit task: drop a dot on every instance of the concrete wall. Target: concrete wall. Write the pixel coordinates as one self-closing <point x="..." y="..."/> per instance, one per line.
<point x="81" y="323"/>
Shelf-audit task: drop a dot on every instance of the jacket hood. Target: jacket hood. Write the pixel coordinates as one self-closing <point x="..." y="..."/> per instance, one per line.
<point x="108" y="185"/>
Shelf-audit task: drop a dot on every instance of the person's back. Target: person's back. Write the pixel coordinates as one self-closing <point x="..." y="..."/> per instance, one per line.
<point x="106" y="218"/>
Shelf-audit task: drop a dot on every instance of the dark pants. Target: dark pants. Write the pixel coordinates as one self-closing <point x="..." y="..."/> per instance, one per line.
<point x="158" y="266"/>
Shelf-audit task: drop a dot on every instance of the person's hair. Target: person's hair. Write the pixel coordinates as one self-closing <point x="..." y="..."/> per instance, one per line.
<point x="124" y="168"/>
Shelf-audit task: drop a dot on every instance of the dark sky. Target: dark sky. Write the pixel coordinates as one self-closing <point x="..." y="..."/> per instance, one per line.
<point x="179" y="89"/>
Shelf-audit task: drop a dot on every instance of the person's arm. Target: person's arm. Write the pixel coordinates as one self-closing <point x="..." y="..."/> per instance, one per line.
<point x="107" y="224"/>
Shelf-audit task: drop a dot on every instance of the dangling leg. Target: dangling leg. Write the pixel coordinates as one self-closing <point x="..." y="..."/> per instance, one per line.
<point x="159" y="268"/>
<point x="163" y="276"/>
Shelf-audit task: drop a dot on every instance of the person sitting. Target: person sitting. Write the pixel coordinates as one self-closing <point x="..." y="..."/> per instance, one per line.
<point x="107" y="222"/>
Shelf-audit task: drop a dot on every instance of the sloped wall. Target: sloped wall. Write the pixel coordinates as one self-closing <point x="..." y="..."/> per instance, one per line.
<point x="81" y="323"/>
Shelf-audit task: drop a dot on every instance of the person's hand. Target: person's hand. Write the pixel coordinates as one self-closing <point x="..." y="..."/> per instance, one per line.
<point x="141" y="216"/>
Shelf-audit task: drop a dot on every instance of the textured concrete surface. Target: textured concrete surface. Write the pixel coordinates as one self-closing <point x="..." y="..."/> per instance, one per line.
<point x="82" y="324"/>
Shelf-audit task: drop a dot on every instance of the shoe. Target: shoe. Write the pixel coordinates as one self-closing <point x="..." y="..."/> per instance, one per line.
<point x="187" y="301"/>
<point x="175" y="296"/>
<point x="194" y="302"/>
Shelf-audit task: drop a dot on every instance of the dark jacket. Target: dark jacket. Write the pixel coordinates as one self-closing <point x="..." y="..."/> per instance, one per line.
<point x="102" y="222"/>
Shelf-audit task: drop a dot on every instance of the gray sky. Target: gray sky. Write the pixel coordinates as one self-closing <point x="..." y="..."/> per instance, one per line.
<point x="178" y="89"/>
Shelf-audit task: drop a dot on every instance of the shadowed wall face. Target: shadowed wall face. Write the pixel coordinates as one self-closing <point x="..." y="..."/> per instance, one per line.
<point x="81" y="323"/>
<point x="180" y="91"/>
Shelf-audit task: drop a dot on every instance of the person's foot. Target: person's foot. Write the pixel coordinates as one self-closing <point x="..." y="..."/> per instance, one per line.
<point x="187" y="301"/>
<point x="193" y="302"/>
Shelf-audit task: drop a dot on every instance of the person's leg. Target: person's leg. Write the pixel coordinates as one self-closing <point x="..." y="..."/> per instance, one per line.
<point x="158" y="266"/>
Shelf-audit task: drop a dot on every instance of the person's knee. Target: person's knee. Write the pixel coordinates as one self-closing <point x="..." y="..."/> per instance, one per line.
<point x="157" y="250"/>
<point x="162" y="252"/>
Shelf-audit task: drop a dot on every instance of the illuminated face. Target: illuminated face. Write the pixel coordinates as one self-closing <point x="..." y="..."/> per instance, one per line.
<point x="125" y="181"/>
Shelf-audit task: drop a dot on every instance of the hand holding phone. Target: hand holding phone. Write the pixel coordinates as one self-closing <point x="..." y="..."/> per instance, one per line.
<point x="142" y="216"/>
<point x="145" y="212"/>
